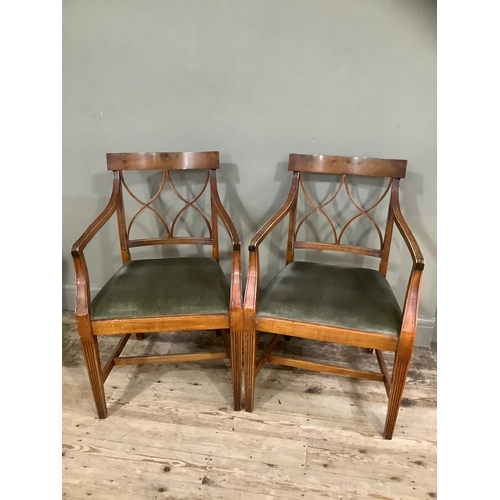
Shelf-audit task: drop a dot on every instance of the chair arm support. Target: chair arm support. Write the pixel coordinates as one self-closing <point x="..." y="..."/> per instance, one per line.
<point x="278" y="216"/>
<point x="252" y="285"/>
<point x="82" y="296"/>
<point x="236" y="291"/>
<point x="411" y="242"/>
<point x="410" y="313"/>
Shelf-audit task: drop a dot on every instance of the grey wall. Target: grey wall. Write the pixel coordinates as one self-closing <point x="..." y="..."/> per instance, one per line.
<point x="254" y="80"/>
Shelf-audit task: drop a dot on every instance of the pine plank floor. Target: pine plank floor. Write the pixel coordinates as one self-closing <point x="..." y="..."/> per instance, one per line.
<point x="171" y="432"/>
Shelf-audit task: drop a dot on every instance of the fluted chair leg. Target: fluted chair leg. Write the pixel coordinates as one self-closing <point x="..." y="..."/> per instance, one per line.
<point x="399" y="374"/>
<point x="236" y="366"/>
<point x="250" y="353"/>
<point x="93" y="362"/>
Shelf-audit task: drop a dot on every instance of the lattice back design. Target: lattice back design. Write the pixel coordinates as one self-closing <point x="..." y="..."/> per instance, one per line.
<point x="346" y="211"/>
<point x="169" y="230"/>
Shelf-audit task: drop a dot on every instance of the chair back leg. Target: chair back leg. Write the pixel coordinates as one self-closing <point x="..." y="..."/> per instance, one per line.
<point x="236" y="341"/>
<point x="250" y="349"/>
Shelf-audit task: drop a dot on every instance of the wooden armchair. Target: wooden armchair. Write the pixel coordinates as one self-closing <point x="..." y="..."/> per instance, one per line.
<point x="346" y="305"/>
<point x="160" y="294"/>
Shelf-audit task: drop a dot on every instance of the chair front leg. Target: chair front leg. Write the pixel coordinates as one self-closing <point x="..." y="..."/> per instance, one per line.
<point x="399" y="374"/>
<point x="250" y="333"/>
<point x="90" y="349"/>
<point x="404" y="351"/>
<point x="402" y="359"/>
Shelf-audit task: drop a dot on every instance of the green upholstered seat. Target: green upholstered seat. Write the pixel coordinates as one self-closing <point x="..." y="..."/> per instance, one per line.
<point x="346" y="297"/>
<point x="163" y="287"/>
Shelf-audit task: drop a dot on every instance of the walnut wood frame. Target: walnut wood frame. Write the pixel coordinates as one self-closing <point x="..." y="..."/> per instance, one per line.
<point x="89" y="330"/>
<point x="402" y="345"/>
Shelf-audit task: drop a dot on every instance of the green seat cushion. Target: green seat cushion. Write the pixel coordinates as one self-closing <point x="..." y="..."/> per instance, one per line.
<point x="346" y="297"/>
<point x="163" y="287"/>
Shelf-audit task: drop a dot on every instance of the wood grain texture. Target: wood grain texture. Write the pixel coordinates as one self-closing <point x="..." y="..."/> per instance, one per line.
<point x="169" y="358"/>
<point x="172" y="433"/>
<point x="324" y="368"/>
<point x="348" y="165"/>
<point x="327" y="333"/>
<point x="143" y="242"/>
<point x="163" y="161"/>
<point x="160" y="324"/>
<point x="319" y="245"/>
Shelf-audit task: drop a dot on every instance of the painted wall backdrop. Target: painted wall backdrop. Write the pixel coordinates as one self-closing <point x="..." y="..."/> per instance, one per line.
<point x="256" y="81"/>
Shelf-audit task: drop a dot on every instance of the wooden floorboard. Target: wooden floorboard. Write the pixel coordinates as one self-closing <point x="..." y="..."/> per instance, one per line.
<point x="171" y="432"/>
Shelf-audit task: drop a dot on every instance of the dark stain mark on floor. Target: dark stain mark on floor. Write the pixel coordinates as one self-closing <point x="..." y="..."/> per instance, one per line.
<point x="361" y="450"/>
<point x="207" y="482"/>
<point x="166" y="468"/>
<point x="407" y="402"/>
<point x="432" y="494"/>
<point x="418" y="462"/>
<point x="315" y="389"/>
<point x="416" y="376"/>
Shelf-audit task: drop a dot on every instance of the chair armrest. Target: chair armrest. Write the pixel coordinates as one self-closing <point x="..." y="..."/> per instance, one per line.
<point x="82" y="297"/>
<point x="412" y="298"/>
<point x="278" y="216"/>
<point x="221" y="211"/>
<point x="100" y="220"/>
<point x="404" y="229"/>
<point x="253" y="276"/>
<point x="236" y="292"/>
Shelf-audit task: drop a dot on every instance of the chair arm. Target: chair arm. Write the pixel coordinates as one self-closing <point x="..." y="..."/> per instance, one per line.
<point x="410" y="308"/>
<point x="100" y="220"/>
<point x="236" y="292"/>
<point x="82" y="297"/>
<point x="278" y="216"/>
<point x="253" y="276"/>
<point x="221" y="211"/>
<point x="411" y="242"/>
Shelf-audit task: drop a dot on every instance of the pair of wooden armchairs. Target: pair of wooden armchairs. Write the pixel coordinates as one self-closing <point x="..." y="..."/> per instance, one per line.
<point x="346" y="305"/>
